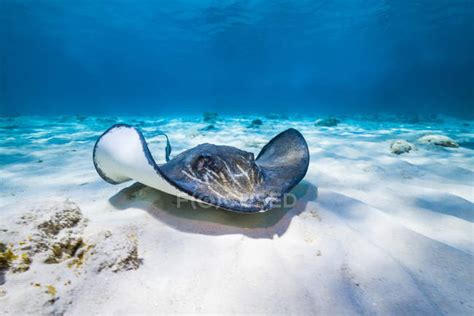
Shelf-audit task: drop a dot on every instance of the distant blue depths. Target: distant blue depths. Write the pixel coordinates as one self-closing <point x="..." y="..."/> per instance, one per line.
<point x="236" y="57"/>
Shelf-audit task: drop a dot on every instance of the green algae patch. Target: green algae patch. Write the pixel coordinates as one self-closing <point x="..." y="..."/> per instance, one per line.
<point x="65" y="250"/>
<point x="25" y="258"/>
<point x="23" y="265"/>
<point x="7" y="256"/>
<point x="51" y="290"/>
<point x="9" y="260"/>
<point x="80" y="257"/>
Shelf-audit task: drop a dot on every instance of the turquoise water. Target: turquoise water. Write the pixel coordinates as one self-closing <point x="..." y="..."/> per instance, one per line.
<point x="52" y="155"/>
<point x="236" y="57"/>
<point x="27" y="140"/>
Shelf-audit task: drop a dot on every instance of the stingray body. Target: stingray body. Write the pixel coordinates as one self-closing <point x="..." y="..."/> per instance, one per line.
<point x="223" y="176"/>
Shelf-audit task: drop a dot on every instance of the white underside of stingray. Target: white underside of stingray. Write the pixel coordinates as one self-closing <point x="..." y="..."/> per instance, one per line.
<point x="120" y="157"/>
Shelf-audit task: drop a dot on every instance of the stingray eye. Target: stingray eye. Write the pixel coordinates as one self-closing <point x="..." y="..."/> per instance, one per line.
<point x="202" y="163"/>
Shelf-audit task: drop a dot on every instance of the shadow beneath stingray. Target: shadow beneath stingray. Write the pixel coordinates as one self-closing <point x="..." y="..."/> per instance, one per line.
<point x="194" y="218"/>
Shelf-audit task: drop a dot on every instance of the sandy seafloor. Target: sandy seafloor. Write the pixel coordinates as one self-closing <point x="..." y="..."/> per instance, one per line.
<point x="372" y="232"/>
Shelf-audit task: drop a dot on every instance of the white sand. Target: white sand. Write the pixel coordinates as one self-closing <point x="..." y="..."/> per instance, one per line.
<point x="372" y="232"/>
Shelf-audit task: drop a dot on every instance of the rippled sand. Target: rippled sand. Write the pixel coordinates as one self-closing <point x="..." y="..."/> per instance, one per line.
<point x="372" y="232"/>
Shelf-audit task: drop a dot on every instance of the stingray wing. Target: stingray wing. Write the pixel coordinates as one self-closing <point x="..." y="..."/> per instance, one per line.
<point x="284" y="160"/>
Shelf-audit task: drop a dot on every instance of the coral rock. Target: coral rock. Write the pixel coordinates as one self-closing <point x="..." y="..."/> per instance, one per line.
<point x="401" y="146"/>
<point x="438" y="140"/>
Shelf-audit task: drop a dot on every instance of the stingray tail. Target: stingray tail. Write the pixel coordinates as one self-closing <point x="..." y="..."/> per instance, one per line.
<point x="121" y="153"/>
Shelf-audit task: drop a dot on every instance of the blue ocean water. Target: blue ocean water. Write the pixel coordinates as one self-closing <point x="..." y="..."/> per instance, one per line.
<point x="381" y="90"/>
<point x="235" y="57"/>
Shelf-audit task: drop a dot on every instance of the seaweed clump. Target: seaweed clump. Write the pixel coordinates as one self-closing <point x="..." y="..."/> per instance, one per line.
<point x="9" y="260"/>
<point x="7" y="256"/>
<point x="64" y="249"/>
<point x="80" y="256"/>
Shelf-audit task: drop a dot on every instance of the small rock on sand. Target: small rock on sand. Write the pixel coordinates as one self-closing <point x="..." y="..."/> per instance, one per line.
<point x="327" y="122"/>
<point x="438" y="140"/>
<point x="401" y="146"/>
<point x="208" y="128"/>
<point x="115" y="252"/>
<point x="209" y="117"/>
<point x="255" y="123"/>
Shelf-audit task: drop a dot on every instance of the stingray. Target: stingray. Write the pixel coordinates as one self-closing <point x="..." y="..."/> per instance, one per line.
<point x="222" y="176"/>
